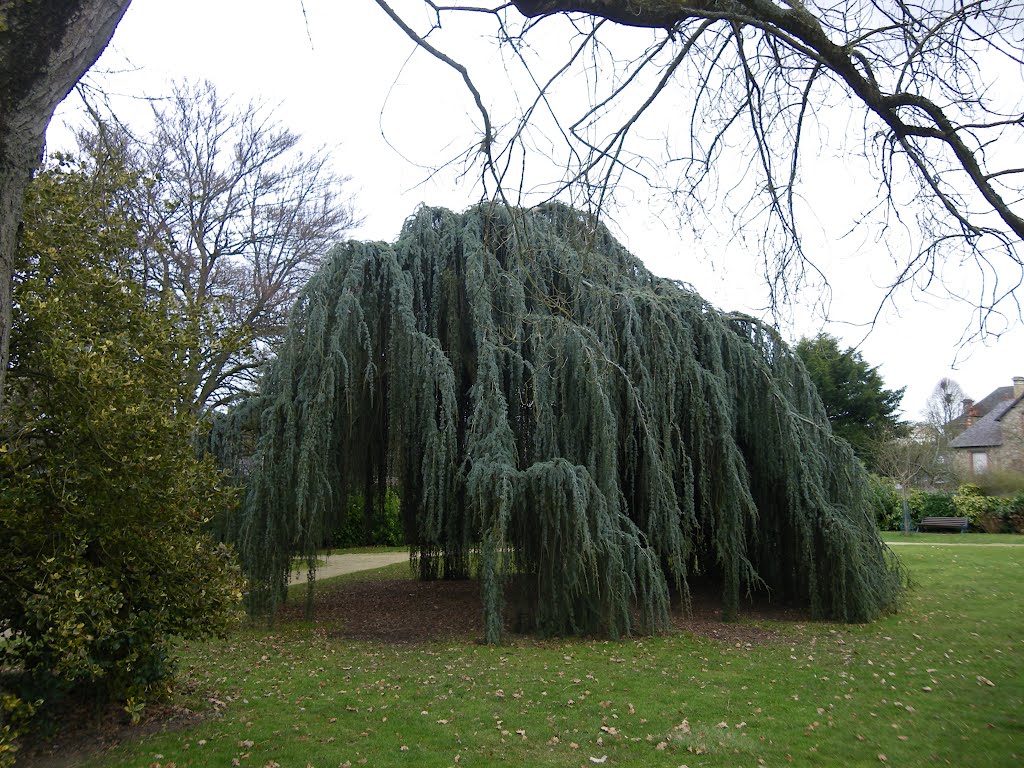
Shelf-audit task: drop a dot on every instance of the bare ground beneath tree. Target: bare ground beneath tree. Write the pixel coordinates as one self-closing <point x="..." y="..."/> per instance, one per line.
<point x="405" y="611"/>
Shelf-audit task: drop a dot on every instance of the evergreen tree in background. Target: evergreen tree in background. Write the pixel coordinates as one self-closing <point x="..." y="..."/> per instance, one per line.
<point x="859" y="407"/>
<point x="555" y="416"/>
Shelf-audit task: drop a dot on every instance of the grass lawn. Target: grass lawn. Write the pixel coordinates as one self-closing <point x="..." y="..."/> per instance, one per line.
<point x="939" y="683"/>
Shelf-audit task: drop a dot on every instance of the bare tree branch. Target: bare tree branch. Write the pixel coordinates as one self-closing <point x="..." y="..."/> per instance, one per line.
<point x="753" y="73"/>
<point x="235" y="220"/>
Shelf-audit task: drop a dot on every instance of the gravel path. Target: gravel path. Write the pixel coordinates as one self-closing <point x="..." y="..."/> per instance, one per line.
<point x="336" y="565"/>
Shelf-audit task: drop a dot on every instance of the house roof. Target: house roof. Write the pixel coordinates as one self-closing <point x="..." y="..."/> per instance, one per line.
<point x="986" y="432"/>
<point x="983" y="407"/>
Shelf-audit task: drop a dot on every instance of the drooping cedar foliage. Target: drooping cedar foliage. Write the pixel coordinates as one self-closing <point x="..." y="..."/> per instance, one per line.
<point x="553" y="413"/>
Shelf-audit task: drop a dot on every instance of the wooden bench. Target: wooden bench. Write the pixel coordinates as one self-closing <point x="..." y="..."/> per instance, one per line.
<point x="943" y="522"/>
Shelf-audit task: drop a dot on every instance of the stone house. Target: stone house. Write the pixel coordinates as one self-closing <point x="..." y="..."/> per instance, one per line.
<point x="993" y="440"/>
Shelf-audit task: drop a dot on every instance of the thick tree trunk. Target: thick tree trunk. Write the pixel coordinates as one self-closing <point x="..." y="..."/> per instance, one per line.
<point x="45" y="48"/>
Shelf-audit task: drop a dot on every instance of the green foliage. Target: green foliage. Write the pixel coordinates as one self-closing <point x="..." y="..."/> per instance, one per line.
<point x="367" y="525"/>
<point x="1015" y="513"/>
<point x="1003" y="514"/>
<point x="887" y="503"/>
<point x="992" y="514"/>
<point x="970" y="502"/>
<point x="552" y="412"/>
<point x="930" y="504"/>
<point x="102" y="501"/>
<point x="15" y="718"/>
<point x="859" y="407"/>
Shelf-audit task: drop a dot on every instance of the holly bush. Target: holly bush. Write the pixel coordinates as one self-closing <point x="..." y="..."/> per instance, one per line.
<point x="103" y="501"/>
<point x="972" y="503"/>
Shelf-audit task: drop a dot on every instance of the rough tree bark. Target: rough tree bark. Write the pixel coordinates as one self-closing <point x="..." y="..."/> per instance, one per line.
<point x="45" y="48"/>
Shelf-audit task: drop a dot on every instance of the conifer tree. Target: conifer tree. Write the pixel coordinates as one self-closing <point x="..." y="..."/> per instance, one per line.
<point x="557" y="417"/>
<point x="859" y="407"/>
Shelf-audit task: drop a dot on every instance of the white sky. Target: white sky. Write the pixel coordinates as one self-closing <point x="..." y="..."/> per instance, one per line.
<point x="342" y="76"/>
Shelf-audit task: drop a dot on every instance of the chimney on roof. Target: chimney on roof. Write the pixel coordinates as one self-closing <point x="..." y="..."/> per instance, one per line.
<point x="972" y="414"/>
<point x="1018" y="386"/>
<point x="967" y="404"/>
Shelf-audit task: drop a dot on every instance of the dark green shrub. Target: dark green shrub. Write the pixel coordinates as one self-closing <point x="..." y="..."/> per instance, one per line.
<point x="886" y="503"/>
<point x="930" y="504"/>
<point x="970" y="502"/>
<point x="103" y="502"/>
<point x="1015" y="513"/>
<point x="383" y="529"/>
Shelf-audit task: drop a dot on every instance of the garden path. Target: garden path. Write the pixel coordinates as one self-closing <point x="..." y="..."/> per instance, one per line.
<point x="336" y="565"/>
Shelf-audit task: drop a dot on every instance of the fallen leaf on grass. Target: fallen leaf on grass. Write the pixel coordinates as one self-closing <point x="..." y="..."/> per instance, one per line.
<point x="985" y="681"/>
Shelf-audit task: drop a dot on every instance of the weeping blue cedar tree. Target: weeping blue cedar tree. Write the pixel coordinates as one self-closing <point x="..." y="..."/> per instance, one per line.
<point x="555" y="416"/>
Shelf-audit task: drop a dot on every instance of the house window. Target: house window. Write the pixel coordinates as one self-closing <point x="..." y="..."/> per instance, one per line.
<point x="979" y="463"/>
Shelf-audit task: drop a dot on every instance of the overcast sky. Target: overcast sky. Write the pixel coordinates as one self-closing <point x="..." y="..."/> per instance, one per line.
<point x="342" y="75"/>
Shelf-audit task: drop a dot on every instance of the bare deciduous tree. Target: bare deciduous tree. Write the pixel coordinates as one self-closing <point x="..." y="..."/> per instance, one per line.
<point x="913" y="461"/>
<point x="927" y="92"/>
<point x="944" y="404"/>
<point x="235" y="220"/>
